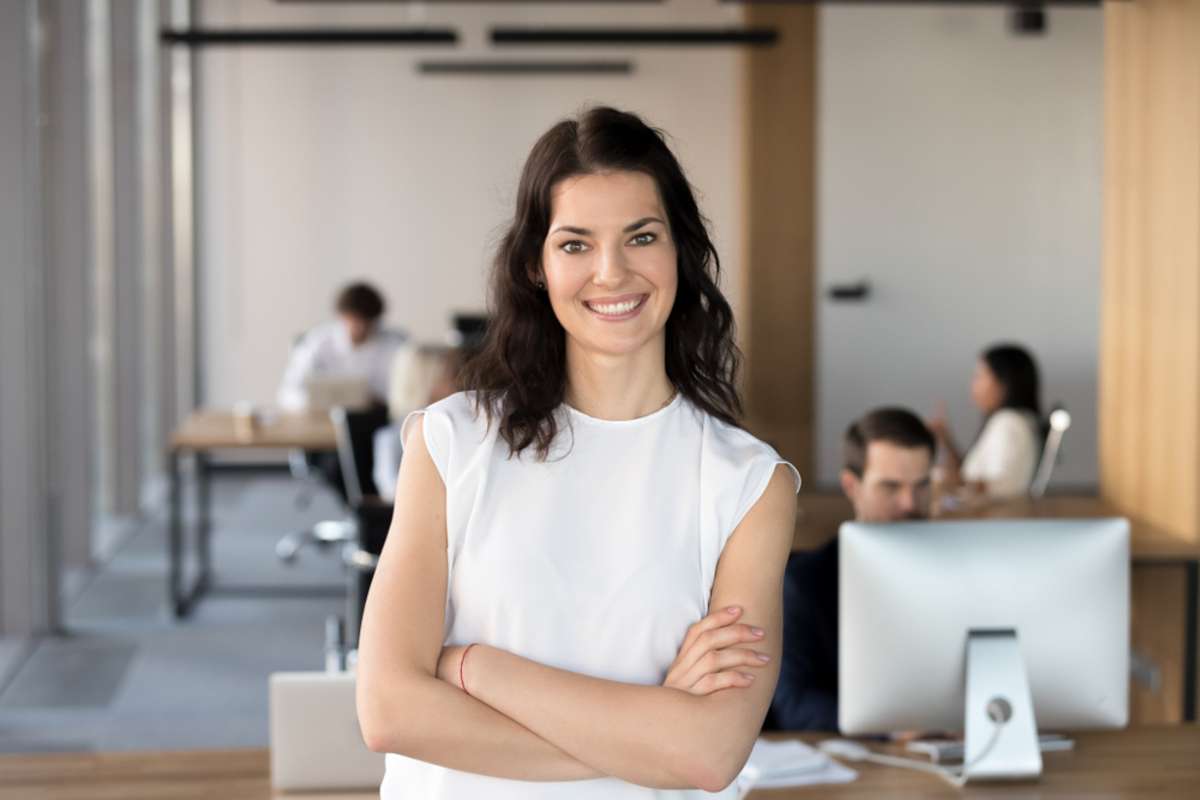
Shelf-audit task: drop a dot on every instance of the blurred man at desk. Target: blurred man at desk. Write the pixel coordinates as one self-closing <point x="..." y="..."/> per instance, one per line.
<point x="887" y="459"/>
<point x="354" y="347"/>
<point x="345" y="362"/>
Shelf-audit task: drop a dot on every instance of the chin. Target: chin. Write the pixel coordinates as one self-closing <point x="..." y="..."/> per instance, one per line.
<point x="617" y="344"/>
<point x="614" y="348"/>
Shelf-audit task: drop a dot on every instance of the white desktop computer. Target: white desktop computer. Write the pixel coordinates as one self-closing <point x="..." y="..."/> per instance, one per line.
<point x="993" y="628"/>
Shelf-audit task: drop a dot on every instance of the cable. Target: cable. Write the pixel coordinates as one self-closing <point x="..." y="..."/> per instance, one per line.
<point x="960" y="780"/>
<point x="957" y="777"/>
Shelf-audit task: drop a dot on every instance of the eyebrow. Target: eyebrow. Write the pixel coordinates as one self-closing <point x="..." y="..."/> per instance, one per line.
<point x="630" y="228"/>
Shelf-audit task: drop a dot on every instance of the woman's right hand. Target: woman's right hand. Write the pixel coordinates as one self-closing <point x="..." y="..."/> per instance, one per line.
<point x="938" y="424"/>
<point x="713" y="655"/>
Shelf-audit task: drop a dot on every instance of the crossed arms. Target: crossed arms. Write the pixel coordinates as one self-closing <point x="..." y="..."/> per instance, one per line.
<point x="527" y="721"/>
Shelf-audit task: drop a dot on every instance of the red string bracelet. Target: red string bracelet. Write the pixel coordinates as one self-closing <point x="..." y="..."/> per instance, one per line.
<point x="462" y="662"/>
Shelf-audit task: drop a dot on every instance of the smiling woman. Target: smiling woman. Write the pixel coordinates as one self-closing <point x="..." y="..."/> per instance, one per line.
<point x="611" y="286"/>
<point x="604" y="211"/>
<point x="580" y="592"/>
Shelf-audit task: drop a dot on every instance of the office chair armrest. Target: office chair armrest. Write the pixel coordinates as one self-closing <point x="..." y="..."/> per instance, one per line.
<point x="359" y="560"/>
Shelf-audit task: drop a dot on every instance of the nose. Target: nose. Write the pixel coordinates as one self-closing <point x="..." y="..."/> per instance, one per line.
<point x="907" y="499"/>
<point x="610" y="267"/>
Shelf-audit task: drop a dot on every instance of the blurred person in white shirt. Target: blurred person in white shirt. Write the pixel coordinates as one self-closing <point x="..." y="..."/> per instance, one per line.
<point x="1001" y="462"/>
<point x="355" y="345"/>
<point x="421" y="375"/>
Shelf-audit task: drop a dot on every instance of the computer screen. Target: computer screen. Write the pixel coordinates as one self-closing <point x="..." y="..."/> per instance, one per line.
<point x="915" y="597"/>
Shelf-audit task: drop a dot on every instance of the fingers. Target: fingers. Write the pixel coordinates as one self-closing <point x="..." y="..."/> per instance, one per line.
<point x="728" y="635"/>
<point x="722" y="680"/>
<point x="729" y="659"/>
<point x="714" y="620"/>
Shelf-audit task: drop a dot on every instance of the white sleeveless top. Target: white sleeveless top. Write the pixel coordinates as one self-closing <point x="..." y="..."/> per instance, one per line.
<point x="595" y="560"/>
<point x="1006" y="454"/>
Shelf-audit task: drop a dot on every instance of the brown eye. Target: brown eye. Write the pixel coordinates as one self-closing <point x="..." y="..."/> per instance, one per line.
<point x="573" y="246"/>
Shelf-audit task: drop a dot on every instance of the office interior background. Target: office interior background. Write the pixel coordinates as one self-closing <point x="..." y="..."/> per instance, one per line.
<point x="891" y="187"/>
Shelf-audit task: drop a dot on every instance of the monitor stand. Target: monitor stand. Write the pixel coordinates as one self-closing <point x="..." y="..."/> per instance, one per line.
<point x="999" y="726"/>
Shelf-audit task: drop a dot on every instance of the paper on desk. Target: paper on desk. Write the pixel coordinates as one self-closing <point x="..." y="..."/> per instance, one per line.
<point x="780" y="764"/>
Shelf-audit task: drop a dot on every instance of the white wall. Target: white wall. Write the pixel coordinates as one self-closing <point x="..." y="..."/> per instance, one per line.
<point x="960" y="171"/>
<point x="318" y="166"/>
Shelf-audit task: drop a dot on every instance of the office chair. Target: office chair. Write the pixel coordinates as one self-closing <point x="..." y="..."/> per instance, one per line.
<point x="371" y="516"/>
<point x="353" y="434"/>
<point x="361" y="558"/>
<point x="302" y="471"/>
<point x="1060" y="421"/>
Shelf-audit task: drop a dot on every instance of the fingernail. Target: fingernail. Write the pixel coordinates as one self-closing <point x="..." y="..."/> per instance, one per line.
<point x="732" y="610"/>
<point x="747" y="676"/>
<point x="763" y="657"/>
<point x="757" y="631"/>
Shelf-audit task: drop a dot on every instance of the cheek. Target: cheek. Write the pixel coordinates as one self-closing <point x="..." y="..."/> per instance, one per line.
<point x="663" y="272"/>
<point x="561" y="276"/>
<point x="990" y="392"/>
<point x="877" y="497"/>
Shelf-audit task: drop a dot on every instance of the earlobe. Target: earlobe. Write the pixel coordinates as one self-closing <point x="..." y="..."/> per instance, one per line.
<point x="539" y="280"/>
<point x="849" y="484"/>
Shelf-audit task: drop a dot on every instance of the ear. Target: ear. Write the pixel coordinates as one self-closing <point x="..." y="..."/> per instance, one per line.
<point x="850" y="484"/>
<point x="536" y="277"/>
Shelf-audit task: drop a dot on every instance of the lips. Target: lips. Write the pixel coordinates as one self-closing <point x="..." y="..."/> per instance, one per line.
<point x="616" y="308"/>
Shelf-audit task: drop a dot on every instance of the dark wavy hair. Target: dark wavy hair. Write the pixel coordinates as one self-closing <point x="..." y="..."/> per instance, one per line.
<point x="1017" y="373"/>
<point x="520" y="373"/>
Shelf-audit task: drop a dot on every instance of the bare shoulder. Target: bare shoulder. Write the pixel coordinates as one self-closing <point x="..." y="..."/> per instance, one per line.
<point x="783" y="486"/>
<point x="765" y="534"/>
<point x="776" y="508"/>
<point x="413" y="433"/>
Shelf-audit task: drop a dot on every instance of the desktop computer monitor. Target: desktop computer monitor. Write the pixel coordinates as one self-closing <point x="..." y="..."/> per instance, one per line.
<point x="990" y="627"/>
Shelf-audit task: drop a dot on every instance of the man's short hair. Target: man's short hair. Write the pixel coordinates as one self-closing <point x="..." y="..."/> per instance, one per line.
<point x="896" y="426"/>
<point x="360" y="300"/>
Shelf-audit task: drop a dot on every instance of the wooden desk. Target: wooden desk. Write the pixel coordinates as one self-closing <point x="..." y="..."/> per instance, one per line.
<point x="202" y="433"/>
<point x="1166" y="586"/>
<point x="1137" y="763"/>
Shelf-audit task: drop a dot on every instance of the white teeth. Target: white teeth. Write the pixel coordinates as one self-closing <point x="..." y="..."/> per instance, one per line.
<point x="615" y="309"/>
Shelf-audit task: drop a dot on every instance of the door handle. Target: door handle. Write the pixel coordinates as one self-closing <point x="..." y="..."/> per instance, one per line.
<point x="849" y="292"/>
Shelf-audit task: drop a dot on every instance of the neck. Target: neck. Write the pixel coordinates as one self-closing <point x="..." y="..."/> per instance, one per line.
<point x="618" y="387"/>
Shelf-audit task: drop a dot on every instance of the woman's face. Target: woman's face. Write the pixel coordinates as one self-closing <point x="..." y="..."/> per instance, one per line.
<point x="986" y="392"/>
<point x="609" y="262"/>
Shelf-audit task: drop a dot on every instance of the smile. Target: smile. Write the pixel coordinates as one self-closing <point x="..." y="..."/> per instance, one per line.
<point x="618" y="308"/>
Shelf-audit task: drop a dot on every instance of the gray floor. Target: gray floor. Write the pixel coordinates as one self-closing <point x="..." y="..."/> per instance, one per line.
<point x="126" y="676"/>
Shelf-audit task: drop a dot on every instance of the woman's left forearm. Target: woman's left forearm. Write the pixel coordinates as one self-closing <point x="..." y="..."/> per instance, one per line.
<point x="649" y="735"/>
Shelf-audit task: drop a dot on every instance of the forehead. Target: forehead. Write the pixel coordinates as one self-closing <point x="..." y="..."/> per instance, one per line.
<point x="604" y="197"/>
<point x="890" y="461"/>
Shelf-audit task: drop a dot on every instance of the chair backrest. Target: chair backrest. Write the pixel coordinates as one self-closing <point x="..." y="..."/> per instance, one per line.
<point x="345" y="453"/>
<point x="354" y="432"/>
<point x="1060" y="421"/>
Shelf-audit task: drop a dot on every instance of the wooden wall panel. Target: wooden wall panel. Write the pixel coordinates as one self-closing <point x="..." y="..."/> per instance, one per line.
<point x="776" y="332"/>
<point x="1157" y="608"/>
<point x="1150" y="316"/>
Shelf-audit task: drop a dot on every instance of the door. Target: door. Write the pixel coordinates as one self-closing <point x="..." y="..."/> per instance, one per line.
<point x="958" y="201"/>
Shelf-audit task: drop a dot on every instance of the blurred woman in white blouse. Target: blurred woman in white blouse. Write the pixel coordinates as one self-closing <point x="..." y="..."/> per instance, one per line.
<point x="1001" y="462"/>
<point x="421" y="374"/>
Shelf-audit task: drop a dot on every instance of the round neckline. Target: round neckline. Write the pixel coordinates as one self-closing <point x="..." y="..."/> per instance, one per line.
<point x="575" y="412"/>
